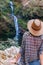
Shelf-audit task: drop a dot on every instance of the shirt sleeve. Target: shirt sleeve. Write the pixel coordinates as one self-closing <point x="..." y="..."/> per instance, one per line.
<point x="41" y="48"/>
<point x="22" y="51"/>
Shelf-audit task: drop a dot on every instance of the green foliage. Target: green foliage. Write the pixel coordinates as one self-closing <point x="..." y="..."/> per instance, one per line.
<point x="29" y="12"/>
<point x="6" y="24"/>
<point x="22" y="24"/>
<point x="17" y="8"/>
<point x="4" y="45"/>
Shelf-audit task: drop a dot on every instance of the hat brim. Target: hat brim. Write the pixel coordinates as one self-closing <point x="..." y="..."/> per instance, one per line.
<point x="33" y="32"/>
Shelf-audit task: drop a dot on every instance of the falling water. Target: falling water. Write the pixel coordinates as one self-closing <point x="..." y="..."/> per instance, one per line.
<point x="15" y="21"/>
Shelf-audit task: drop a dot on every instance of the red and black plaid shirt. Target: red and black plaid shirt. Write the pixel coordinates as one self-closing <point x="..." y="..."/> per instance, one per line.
<point x="31" y="47"/>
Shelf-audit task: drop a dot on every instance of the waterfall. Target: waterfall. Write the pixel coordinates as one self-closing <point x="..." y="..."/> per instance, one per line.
<point x="15" y="21"/>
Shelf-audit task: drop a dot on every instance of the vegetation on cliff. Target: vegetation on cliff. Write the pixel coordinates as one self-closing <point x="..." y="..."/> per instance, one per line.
<point x="7" y="28"/>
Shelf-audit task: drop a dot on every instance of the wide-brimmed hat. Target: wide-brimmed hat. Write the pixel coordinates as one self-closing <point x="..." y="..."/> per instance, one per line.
<point x="35" y="27"/>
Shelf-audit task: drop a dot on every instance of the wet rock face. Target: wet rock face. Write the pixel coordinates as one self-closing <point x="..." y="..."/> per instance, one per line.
<point x="32" y="2"/>
<point x="36" y="5"/>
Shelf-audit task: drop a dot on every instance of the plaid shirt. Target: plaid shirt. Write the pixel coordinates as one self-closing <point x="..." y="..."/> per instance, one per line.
<point x="31" y="47"/>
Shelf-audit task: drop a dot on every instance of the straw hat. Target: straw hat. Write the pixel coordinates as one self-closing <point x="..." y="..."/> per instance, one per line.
<point x="35" y="27"/>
